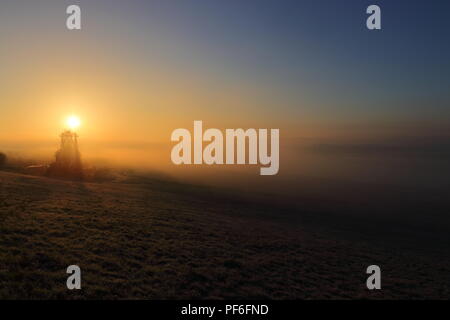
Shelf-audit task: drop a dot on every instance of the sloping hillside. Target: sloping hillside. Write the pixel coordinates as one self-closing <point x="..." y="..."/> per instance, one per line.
<point x="157" y="240"/>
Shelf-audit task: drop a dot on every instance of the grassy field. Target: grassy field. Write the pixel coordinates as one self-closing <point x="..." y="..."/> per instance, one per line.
<point x="149" y="239"/>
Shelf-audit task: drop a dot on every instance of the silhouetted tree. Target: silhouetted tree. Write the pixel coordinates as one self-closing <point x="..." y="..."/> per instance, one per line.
<point x="68" y="160"/>
<point x="3" y="159"/>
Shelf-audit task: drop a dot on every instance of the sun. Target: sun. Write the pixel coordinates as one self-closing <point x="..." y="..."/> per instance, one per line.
<point x="73" y="122"/>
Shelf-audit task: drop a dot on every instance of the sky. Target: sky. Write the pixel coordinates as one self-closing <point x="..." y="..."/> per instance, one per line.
<point x="140" y="69"/>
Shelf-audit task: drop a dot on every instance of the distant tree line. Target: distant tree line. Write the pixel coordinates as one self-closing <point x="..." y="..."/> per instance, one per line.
<point x="3" y="159"/>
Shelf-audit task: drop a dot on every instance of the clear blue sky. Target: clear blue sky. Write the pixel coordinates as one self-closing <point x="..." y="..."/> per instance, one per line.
<point x="311" y="57"/>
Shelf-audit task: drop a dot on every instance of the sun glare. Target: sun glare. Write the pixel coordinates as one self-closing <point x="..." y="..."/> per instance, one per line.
<point x="73" y="122"/>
